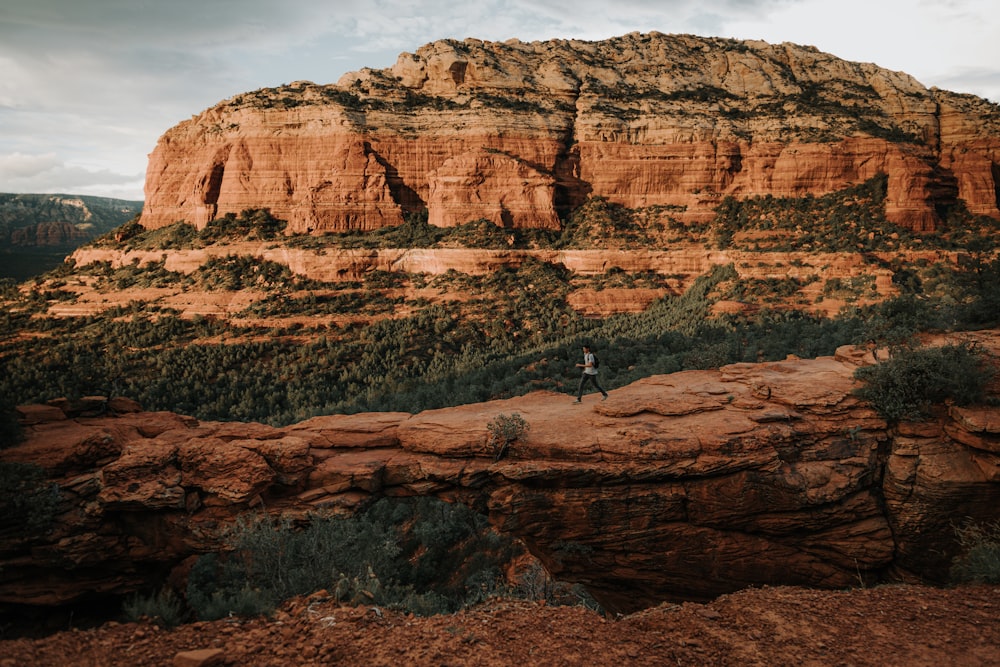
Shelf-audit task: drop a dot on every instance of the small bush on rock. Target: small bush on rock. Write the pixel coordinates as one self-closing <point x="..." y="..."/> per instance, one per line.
<point x="505" y="429"/>
<point x="907" y="385"/>
<point x="979" y="561"/>
<point x="164" y="607"/>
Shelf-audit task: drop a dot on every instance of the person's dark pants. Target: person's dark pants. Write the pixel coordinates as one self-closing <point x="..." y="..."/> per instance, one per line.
<point x="592" y="378"/>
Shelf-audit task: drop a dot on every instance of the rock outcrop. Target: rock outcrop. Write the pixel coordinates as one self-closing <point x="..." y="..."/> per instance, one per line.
<point x="519" y="133"/>
<point x="684" y="486"/>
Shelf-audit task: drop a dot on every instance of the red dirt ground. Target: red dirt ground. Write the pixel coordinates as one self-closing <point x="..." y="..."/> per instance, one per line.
<point x="908" y="626"/>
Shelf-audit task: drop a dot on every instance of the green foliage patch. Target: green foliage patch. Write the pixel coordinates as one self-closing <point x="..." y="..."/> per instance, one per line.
<point x="979" y="559"/>
<point x="420" y="555"/>
<point x="906" y="386"/>
<point x="28" y="502"/>
<point x="165" y="607"/>
<point x="505" y="430"/>
<point x="249" y="225"/>
<point x="849" y="220"/>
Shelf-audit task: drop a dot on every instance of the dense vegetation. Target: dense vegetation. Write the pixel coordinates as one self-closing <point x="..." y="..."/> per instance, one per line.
<point x="515" y="333"/>
<point x="909" y="384"/>
<point x="420" y="555"/>
<point x="850" y="220"/>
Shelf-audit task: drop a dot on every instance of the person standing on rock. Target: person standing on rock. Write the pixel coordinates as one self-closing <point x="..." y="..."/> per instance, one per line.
<point x="589" y="367"/>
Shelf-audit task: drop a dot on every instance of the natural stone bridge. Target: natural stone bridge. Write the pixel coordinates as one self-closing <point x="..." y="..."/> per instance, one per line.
<point x="682" y="486"/>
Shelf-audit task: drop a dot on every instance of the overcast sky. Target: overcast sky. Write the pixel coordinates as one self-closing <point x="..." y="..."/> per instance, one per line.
<point x="88" y="86"/>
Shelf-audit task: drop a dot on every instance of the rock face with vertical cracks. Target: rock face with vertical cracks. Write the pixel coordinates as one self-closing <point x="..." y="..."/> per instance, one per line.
<point x="520" y="133"/>
<point x="678" y="487"/>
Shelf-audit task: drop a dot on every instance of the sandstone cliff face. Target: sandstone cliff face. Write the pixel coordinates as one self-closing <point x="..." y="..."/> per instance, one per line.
<point x="683" y="486"/>
<point x="517" y="133"/>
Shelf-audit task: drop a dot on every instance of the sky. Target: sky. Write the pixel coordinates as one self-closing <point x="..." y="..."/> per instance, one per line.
<point x="88" y="86"/>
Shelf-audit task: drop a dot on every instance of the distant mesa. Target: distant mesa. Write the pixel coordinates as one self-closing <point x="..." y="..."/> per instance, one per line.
<point x="37" y="231"/>
<point x="521" y="133"/>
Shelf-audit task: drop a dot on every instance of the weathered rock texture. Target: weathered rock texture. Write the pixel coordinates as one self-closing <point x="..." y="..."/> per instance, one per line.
<point x="517" y="133"/>
<point x="683" y="486"/>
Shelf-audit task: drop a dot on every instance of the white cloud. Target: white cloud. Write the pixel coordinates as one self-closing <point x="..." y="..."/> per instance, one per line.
<point x="20" y="166"/>
<point x="46" y="173"/>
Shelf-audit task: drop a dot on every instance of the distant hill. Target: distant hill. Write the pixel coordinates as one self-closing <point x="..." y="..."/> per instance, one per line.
<point x="37" y="231"/>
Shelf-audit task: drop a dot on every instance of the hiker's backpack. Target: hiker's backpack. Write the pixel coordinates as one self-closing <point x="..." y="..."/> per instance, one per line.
<point x="597" y="363"/>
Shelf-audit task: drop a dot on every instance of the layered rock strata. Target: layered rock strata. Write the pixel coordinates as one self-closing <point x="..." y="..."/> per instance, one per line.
<point x="519" y="133"/>
<point x="683" y="486"/>
<point x="682" y="264"/>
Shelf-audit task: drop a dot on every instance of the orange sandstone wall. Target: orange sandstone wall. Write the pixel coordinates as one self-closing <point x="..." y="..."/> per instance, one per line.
<point x="519" y="134"/>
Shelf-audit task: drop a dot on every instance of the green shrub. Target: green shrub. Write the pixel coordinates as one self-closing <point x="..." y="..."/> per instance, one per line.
<point x="480" y="233"/>
<point x="164" y="607"/>
<point x="251" y="224"/>
<point x="908" y="384"/>
<point x="28" y="502"/>
<point x="420" y="554"/>
<point x="10" y="428"/>
<point x="134" y="236"/>
<point x="237" y="272"/>
<point x="896" y="322"/>
<point x="601" y="223"/>
<point x="979" y="561"/>
<point x="218" y="587"/>
<point x="505" y="429"/>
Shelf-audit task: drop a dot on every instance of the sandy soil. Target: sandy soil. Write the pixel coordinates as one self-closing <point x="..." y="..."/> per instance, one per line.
<point x="908" y="626"/>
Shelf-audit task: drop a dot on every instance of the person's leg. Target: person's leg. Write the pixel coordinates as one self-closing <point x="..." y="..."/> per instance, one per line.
<point x="598" y="385"/>
<point x="584" y="379"/>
